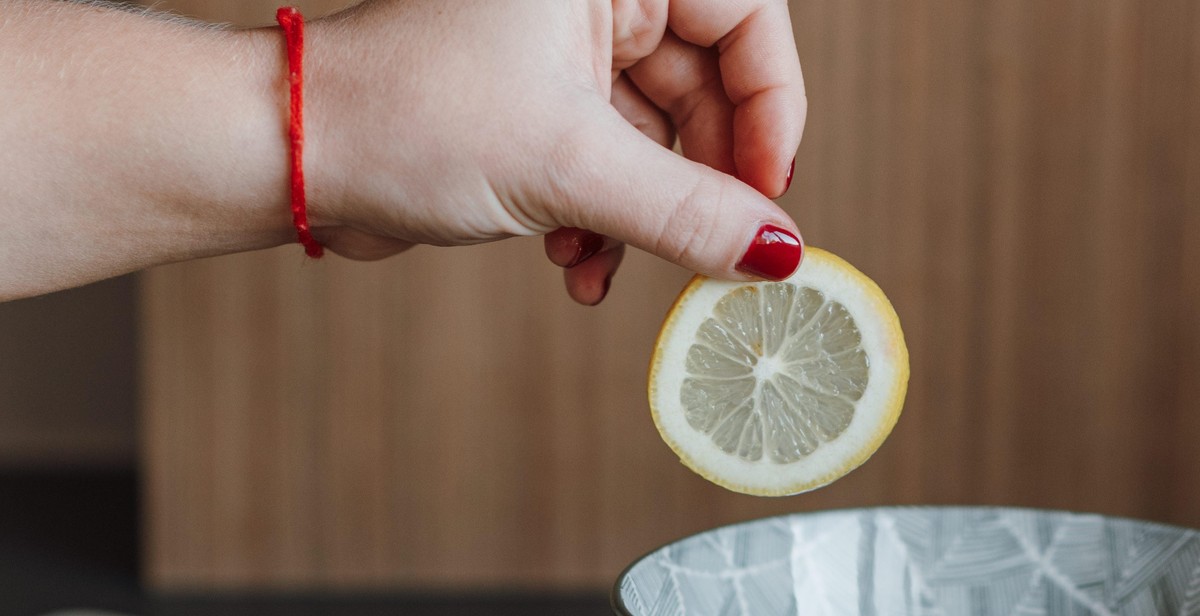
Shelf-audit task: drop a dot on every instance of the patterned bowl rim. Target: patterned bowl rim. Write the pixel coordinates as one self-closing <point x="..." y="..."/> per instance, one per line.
<point x="618" y="605"/>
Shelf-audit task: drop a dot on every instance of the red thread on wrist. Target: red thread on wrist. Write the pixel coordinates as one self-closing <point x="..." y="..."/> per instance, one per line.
<point x="292" y="22"/>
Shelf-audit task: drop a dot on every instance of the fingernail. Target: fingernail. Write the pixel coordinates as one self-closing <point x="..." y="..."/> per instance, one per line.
<point x="792" y="169"/>
<point x="586" y="247"/>
<point x="774" y="254"/>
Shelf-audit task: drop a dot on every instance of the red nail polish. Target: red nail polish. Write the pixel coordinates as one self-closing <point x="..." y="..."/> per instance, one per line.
<point x="774" y="254"/>
<point x="791" y="170"/>
<point x="586" y="247"/>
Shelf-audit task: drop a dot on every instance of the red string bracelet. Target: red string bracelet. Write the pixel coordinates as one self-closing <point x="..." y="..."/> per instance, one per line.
<point x="292" y="22"/>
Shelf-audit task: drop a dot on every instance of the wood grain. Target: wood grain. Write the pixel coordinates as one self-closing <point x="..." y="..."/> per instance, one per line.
<point x="1020" y="177"/>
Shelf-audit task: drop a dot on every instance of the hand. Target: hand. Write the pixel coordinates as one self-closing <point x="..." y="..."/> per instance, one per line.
<point x="458" y="123"/>
<point x="426" y="122"/>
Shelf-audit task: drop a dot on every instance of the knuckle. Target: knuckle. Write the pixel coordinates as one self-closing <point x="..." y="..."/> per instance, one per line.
<point x="639" y="24"/>
<point x="691" y="225"/>
<point x="570" y="171"/>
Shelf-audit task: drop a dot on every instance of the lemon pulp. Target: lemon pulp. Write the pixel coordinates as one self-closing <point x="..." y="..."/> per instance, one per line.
<point x="775" y="372"/>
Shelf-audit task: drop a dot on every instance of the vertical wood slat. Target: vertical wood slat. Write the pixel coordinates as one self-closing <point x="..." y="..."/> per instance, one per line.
<point x="1187" y="423"/>
<point x="1021" y="178"/>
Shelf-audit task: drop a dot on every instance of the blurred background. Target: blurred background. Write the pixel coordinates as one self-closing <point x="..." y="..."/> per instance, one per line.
<point x="1022" y="178"/>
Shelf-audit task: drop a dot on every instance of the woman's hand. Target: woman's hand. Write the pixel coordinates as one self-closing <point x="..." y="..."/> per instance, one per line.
<point x="129" y="140"/>
<point x="457" y="123"/>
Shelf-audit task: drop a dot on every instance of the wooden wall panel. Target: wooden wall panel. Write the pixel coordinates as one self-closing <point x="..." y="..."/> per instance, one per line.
<point x="67" y="371"/>
<point x="1020" y="177"/>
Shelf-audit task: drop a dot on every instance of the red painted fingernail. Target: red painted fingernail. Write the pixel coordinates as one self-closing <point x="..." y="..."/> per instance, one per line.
<point x="791" y="170"/>
<point x="774" y="254"/>
<point x="586" y="247"/>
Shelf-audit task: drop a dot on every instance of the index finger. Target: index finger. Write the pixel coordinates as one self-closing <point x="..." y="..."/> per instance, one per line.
<point x="760" y="71"/>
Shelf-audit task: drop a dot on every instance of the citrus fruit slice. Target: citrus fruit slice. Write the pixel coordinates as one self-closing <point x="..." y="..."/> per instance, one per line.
<point x="775" y="388"/>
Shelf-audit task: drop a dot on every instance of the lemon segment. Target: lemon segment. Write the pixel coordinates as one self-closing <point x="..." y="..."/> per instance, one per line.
<point x="778" y="388"/>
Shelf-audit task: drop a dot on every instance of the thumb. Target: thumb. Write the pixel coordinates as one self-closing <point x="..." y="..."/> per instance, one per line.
<point x="613" y="180"/>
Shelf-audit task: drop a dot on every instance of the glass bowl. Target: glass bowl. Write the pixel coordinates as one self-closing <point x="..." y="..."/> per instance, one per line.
<point x="920" y="561"/>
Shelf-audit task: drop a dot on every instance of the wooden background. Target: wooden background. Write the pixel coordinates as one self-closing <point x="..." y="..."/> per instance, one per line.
<point x="1021" y="177"/>
<point x="67" y="379"/>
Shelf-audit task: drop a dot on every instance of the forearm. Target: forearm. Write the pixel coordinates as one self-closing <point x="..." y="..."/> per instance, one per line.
<point x="128" y="141"/>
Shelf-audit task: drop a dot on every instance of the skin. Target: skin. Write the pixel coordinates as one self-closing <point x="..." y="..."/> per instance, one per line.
<point x="129" y="140"/>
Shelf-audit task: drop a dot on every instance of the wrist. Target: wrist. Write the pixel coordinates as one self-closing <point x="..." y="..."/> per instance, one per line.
<point x="266" y="121"/>
<point x="242" y="199"/>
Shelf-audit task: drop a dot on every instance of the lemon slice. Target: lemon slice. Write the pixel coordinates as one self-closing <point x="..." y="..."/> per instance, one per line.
<point x="775" y="388"/>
